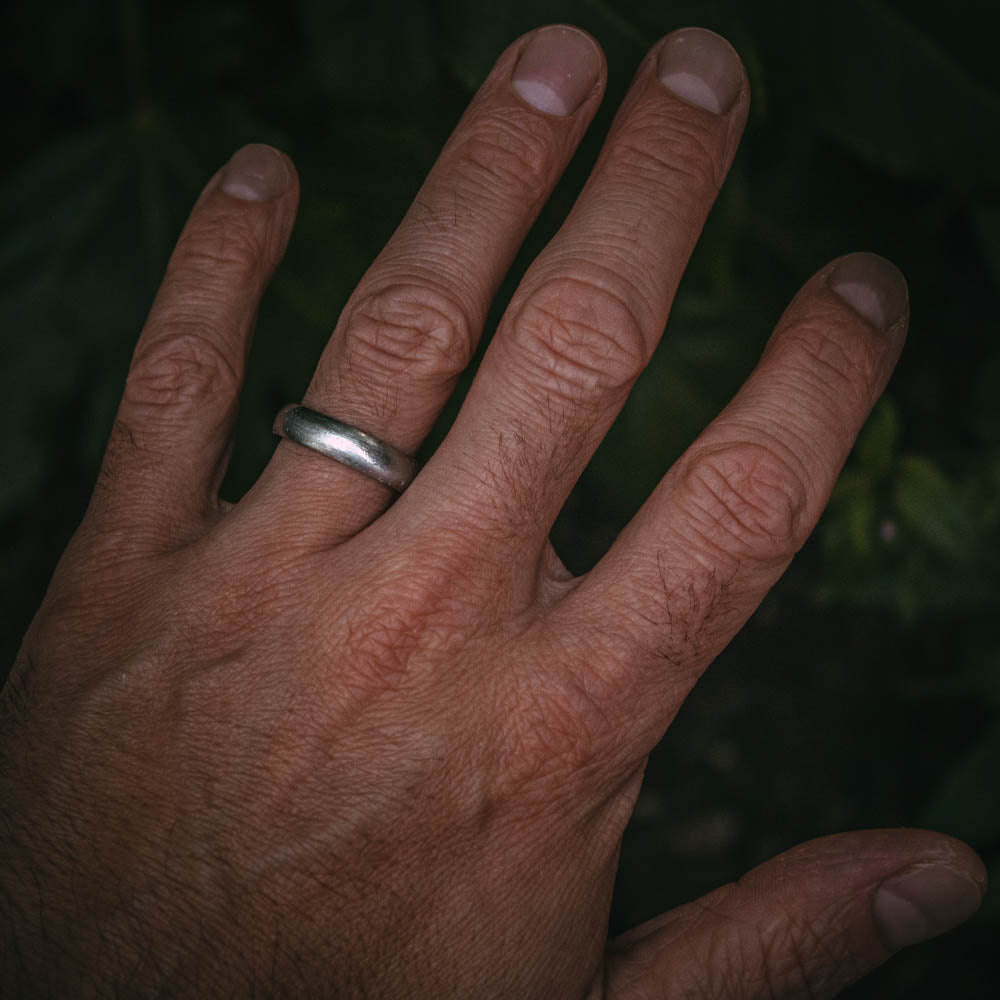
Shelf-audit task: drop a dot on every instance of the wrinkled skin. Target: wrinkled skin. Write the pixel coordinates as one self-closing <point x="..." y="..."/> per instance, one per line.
<point x="321" y="744"/>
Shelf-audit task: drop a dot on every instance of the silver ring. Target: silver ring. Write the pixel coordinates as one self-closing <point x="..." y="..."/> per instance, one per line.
<point x="346" y="444"/>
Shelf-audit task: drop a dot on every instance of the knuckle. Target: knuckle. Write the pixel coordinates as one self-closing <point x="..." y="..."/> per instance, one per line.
<point x="840" y="366"/>
<point x="560" y="731"/>
<point x="797" y="958"/>
<point x="547" y="759"/>
<point x="564" y="726"/>
<point x="581" y="337"/>
<point x="502" y="150"/>
<point x="675" y="154"/>
<point x="382" y="646"/>
<point x="219" y="249"/>
<point x="788" y="955"/>
<point x="411" y="610"/>
<point x="185" y="369"/>
<point x="408" y="329"/>
<point x="748" y="500"/>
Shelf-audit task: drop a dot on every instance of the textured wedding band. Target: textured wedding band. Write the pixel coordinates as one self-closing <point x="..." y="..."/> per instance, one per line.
<point x="346" y="444"/>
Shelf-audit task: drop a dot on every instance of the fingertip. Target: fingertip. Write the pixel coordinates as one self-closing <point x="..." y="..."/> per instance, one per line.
<point x="829" y="911"/>
<point x="702" y="68"/>
<point x="944" y="849"/>
<point x="922" y="901"/>
<point x="558" y="69"/>
<point x="705" y="71"/>
<point x="258" y="172"/>
<point x="873" y="287"/>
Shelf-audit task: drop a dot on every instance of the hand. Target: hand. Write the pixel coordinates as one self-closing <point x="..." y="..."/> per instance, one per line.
<point x="314" y="744"/>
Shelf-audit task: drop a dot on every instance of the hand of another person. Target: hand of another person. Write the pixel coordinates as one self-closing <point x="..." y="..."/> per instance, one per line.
<point x="312" y="744"/>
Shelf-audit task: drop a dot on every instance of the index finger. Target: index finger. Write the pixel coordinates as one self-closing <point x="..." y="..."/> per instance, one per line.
<point x="725" y="522"/>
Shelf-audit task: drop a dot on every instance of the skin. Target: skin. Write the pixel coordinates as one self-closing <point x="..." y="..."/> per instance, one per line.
<point x="318" y="743"/>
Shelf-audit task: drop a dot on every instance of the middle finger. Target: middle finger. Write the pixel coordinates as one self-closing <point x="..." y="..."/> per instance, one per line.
<point x="591" y="308"/>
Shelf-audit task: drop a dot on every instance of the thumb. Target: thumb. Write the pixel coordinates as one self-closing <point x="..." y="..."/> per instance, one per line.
<point x="807" y="923"/>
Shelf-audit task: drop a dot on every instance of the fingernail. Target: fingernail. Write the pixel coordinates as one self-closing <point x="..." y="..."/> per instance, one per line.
<point x="872" y="286"/>
<point x="922" y="903"/>
<point x="256" y="173"/>
<point x="701" y="68"/>
<point x="557" y="70"/>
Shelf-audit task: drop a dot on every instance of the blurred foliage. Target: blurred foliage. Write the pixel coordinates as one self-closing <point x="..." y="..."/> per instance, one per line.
<point x="868" y="686"/>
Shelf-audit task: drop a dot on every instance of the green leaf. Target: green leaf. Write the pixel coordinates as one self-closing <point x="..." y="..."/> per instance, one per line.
<point x="986" y="219"/>
<point x="67" y="178"/>
<point x="373" y="53"/>
<point x="879" y="440"/>
<point x="967" y="803"/>
<point x="987" y="400"/>
<point x="932" y="507"/>
<point x="861" y="525"/>
<point x="982" y="677"/>
<point x="990" y="910"/>
<point x="881" y="85"/>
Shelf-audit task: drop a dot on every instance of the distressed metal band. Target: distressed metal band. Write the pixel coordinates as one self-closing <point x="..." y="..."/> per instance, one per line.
<point x="346" y="444"/>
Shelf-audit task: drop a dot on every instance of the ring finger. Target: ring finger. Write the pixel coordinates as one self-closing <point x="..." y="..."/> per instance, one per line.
<point x="412" y="325"/>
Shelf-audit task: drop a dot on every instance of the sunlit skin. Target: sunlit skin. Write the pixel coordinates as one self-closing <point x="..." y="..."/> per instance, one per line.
<point x="328" y="741"/>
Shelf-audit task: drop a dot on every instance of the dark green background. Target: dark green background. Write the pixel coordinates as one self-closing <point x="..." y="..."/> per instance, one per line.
<point x="866" y="691"/>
